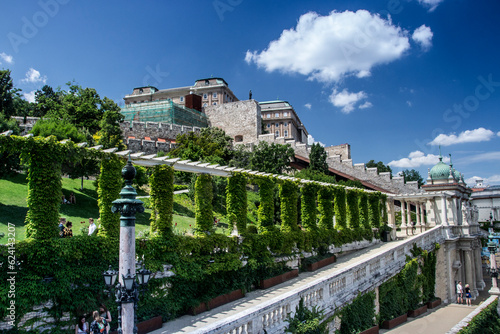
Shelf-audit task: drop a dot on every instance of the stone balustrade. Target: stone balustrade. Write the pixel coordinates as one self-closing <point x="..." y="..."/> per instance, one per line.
<point x="327" y="293"/>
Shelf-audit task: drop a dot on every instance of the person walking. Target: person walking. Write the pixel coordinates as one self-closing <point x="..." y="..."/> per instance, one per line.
<point x="460" y="293"/>
<point x="92" y="226"/>
<point x="468" y="296"/>
<point x="104" y="313"/>
<point x="98" y="326"/>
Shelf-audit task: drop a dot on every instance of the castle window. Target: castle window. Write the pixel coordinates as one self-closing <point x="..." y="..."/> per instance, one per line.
<point x="285" y="114"/>
<point x="205" y="104"/>
<point x="277" y="125"/>
<point x="207" y="82"/>
<point x="277" y="114"/>
<point x="215" y="103"/>
<point x="205" y="96"/>
<point x="215" y="95"/>
<point x="268" y="125"/>
<point x="286" y="133"/>
<point x="238" y="138"/>
<point x="181" y="98"/>
<point x="141" y="91"/>
<point x="277" y="133"/>
<point x="268" y="115"/>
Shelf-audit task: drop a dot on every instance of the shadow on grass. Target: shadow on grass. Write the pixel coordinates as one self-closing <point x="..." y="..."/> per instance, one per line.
<point x="182" y="210"/>
<point x="16" y="178"/>
<point x="13" y="214"/>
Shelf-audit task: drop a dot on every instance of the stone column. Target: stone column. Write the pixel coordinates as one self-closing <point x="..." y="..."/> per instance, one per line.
<point x="408" y="221"/>
<point x="391" y="217"/>
<point x="403" y="217"/>
<point x="444" y="214"/>
<point x="469" y="271"/>
<point x="431" y="213"/>
<point x="479" y="268"/>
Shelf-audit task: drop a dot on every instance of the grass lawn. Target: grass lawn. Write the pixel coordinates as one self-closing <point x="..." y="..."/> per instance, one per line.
<point x="13" y="207"/>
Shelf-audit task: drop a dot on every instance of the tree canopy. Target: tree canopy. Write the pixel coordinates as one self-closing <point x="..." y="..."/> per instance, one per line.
<point x="317" y="159"/>
<point x="381" y="168"/>
<point x="412" y="175"/>
<point x="271" y="158"/>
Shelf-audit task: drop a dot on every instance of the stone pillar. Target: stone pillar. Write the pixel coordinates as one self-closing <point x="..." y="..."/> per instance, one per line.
<point x="377" y="301"/>
<point x="409" y="231"/>
<point x="444" y="214"/>
<point x="391" y="217"/>
<point x="431" y="212"/>
<point x="479" y="268"/>
<point x="403" y="218"/>
<point x="127" y="264"/>
<point x="470" y="272"/>
<point x="417" y="213"/>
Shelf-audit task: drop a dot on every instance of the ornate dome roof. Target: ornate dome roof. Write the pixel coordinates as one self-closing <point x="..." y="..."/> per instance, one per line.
<point x="440" y="171"/>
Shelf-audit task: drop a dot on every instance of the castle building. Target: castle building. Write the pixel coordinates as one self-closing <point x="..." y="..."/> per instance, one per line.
<point x="487" y="200"/>
<point x="213" y="91"/>
<point x="280" y="119"/>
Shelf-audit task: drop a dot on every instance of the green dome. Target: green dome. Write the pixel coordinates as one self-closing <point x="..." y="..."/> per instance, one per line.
<point x="456" y="174"/>
<point x="440" y="171"/>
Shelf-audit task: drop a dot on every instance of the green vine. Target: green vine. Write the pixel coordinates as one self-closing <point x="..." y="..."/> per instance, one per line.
<point x="359" y="315"/>
<point x="352" y="209"/>
<point x="236" y="200"/>
<point x="325" y="208"/>
<point x="162" y="199"/>
<point x="110" y="184"/>
<point x="289" y="194"/>
<point x="308" y="206"/>
<point x="374" y="206"/>
<point x="203" y="197"/>
<point x="266" y="207"/>
<point x="363" y="210"/>
<point x="340" y="208"/>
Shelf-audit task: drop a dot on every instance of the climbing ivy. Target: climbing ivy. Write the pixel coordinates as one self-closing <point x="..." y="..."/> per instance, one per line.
<point x="325" y="208"/>
<point x="374" y="206"/>
<point x="203" y="200"/>
<point x="340" y="208"/>
<point x="266" y="207"/>
<point x="289" y="194"/>
<point x="352" y="209"/>
<point x="110" y="184"/>
<point x="363" y="210"/>
<point x="236" y="200"/>
<point x="162" y="199"/>
<point x="308" y="206"/>
<point x="359" y="315"/>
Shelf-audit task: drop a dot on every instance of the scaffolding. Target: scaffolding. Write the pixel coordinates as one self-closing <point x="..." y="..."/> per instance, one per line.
<point x="164" y="111"/>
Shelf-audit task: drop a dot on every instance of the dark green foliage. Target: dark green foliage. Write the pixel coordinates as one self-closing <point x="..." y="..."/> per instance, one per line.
<point x="209" y="145"/>
<point x="289" y="194"/>
<point x="317" y="159"/>
<point x="363" y="210"/>
<point x="306" y="321"/>
<point x="325" y="208"/>
<point x="7" y="92"/>
<point x="110" y="133"/>
<point x="110" y="184"/>
<point x="486" y="322"/>
<point x="162" y="199"/>
<point x="203" y="198"/>
<point x="308" y="206"/>
<point x="428" y="276"/>
<point x="352" y="209"/>
<point x="271" y="158"/>
<point x="340" y="208"/>
<point x="374" y="207"/>
<point x="266" y="207"/>
<point x="381" y="168"/>
<point x="61" y="130"/>
<point x="359" y="315"/>
<point x="9" y="161"/>
<point x="237" y="200"/>
<point x="310" y="174"/>
<point x="413" y="175"/>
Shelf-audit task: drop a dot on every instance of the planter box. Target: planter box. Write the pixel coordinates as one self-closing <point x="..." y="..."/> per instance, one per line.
<point x="434" y="304"/>
<point x="390" y="324"/>
<point x="417" y="312"/>
<point x="217" y="301"/>
<point x="321" y="263"/>
<point x="148" y="325"/>
<point x="267" y="283"/>
<point x="373" y="330"/>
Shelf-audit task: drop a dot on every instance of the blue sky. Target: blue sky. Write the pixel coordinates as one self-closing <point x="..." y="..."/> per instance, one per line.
<point x="393" y="78"/>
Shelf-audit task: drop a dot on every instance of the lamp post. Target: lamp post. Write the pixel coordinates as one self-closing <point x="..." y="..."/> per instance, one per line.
<point x="127" y="288"/>
<point x="492" y="247"/>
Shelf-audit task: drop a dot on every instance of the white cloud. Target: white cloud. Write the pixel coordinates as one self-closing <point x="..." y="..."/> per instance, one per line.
<point x="33" y="76"/>
<point x="365" y="105"/>
<point x="468" y="136"/>
<point x="431" y="4"/>
<point x="482" y="157"/>
<point x="30" y="97"/>
<point x="310" y="141"/>
<point x="416" y="159"/>
<point x="498" y="134"/>
<point x="494" y="179"/>
<point x="346" y="100"/>
<point x="308" y="106"/>
<point x="6" y="58"/>
<point x="423" y="36"/>
<point x="409" y="103"/>
<point x="328" y="48"/>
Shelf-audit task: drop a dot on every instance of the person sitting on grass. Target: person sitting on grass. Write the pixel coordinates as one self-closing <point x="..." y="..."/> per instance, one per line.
<point x="68" y="232"/>
<point x="72" y="198"/>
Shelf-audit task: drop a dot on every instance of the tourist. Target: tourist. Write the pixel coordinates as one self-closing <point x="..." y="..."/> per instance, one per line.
<point x="72" y="198"/>
<point x="92" y="226"/>
<point x="104" y="313"/>
<point x="82" y="326"/>
<point x="64" y="200"/>
<point x="468" y="295"/>
<point x="460" y="293"/>
<point x="62" y="222"/>
<point x="98" y="326"/>
<point x="68" y="232"/>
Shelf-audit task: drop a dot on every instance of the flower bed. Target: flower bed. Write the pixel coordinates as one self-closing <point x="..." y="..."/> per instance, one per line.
<point x="269" y="282"/>
<point x="434" y="304"/>
<point x="415" y="313"/>
<point x="321" y="263"/>
<point x="217" y="301"/>
<point x="390" y="324"/>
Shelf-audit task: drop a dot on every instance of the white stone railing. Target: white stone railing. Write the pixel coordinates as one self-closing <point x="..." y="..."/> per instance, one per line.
<point x="327" y="293"/>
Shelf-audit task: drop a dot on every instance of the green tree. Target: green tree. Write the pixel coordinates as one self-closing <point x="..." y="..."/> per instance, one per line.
<point x="306" y="321"/>
<point x="271" y="158"/>
<point x="9" y="161"/>
<point x="110" y="133"/>
<point x="209" y="145"/>
<point x="317" y="159"/>
<point x="61" y="130"/>
<point x="7" y="92"/>
<point x="413" y="175"/>
<point x="309" y="174"/>
<point x="381" y="168"/>
<point x="47" y="100"/>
